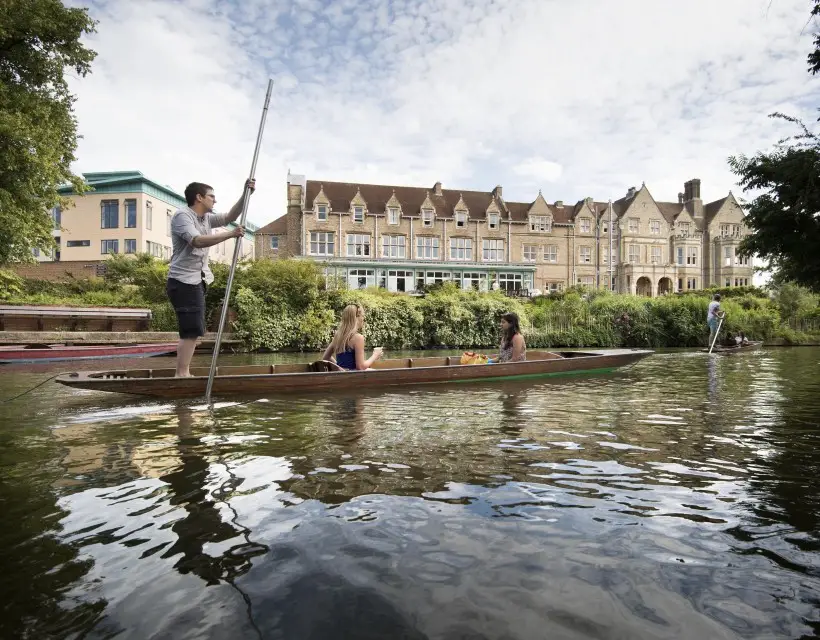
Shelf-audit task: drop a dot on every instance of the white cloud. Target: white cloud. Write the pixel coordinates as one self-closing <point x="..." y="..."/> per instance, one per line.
<point x="579" y="99"/>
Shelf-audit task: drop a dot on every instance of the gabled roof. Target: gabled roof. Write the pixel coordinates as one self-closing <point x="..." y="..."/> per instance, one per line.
<point x="711" y="209"/>
<point x="275" y="228"/>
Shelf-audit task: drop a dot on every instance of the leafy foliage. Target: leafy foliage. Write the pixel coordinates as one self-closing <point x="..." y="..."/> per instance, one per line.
<point x="39" y="40"/>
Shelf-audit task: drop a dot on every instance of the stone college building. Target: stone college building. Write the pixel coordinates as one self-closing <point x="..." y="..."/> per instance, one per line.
<point x="402" y="238"/>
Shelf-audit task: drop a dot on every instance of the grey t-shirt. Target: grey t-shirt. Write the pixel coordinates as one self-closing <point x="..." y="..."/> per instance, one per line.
<point x="189" y="264"/>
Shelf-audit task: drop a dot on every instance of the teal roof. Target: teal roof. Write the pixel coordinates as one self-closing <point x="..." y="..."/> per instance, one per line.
<point x="134" y="182"/>
<point x="127" y="182"/>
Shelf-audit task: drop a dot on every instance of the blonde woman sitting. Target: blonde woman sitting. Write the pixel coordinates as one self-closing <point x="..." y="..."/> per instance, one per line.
<point x="347" y="347"/>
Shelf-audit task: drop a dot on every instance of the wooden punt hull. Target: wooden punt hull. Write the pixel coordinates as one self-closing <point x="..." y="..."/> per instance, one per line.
<point x="752" y="346"/>
<point x="56" y="353"/>
<point x="262" y="379"/>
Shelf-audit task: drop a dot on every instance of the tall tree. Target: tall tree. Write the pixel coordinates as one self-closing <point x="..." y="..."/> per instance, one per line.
<point x="39" y="41"/>
<point x="784" y="217"/>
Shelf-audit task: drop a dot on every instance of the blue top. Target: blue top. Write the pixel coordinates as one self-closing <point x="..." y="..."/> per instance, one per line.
<point x="347" y="359"/>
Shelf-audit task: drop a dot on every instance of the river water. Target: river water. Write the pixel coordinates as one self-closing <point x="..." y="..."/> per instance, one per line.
<point x="676" y="499"/>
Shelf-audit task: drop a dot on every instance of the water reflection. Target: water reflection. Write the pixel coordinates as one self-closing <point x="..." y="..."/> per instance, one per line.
<point x="678" y="499"/>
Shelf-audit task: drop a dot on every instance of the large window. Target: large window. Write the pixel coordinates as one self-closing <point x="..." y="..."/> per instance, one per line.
<point x="679" y="253"/>
<point x="131" y="245"/>
<point x="436" y="277"/>
<point x="321" y="243"/>
<point x="691" y="283"/>
<point x="393" y="247"/>
<point x="131" y="214"/>
<point x="109" y="246"/>
<point x="655" y="227"/>
<point x="684" y="228"/>
<point x="540" y="224"/>
<point x="57" y="217"/>
<point x="634" y="253"/>
<point x="691" y="255"/>
<point x="358" y="244"/>
<point x="585" y="254"/>
<point x="427" y="248"/>
<point x="470" y="280"/>
<point x="399" y="280"/>
<point x="529" y="252"/>
<point x="461" y="249"/>
<point x="634" y="225"/>
<point x="110" y="214"/>
<point x="727" y="257"/>
<point x="586" y="225"/>
<point x="656" y="255"/>
<point x="155" y="249"/>
<point x="493" y="251"/>
<point x="358" y="214"/>
<point x="510" y="281"/>
<point x="361" y="278"/>
<point x="551" y="253"/>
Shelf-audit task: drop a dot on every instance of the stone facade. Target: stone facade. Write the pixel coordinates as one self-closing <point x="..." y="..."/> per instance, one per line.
<point x="403" y="237"/>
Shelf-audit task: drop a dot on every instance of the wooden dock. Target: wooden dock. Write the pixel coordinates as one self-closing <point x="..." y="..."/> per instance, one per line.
<point x="229" y="342"/>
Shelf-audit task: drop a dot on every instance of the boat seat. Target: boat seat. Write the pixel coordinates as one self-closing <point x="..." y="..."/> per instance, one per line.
<point x="321" y="366"/>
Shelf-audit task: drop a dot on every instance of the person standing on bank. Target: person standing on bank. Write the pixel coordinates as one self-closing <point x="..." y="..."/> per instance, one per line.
<point x="189" y="273"/>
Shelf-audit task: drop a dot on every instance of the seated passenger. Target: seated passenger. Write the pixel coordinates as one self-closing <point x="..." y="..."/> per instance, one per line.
<point x="347" y="347"/>
<point x="513" y="348"/>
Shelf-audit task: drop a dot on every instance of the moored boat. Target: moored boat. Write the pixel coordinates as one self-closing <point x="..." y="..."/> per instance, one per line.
<point x="726" y="350"/>
<point x="321" y="376"/>
<point x="59" y="352"/>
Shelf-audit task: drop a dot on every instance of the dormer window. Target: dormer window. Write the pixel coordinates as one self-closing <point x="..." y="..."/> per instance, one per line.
<point x="321" y="212"/>
<point x="684" y="228"/>
<point x="586" y="225"/>
<point x="542" y="224"/>
<point x="427" y="218"/>
<point x="492" y="221"/>
<point x="392" y="215"/>
<point x="358" y="214"/>
<point x="461" y="219"/>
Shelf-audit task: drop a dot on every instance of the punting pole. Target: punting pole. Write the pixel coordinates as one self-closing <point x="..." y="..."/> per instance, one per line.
<point x="717" y="333"/>
<point x="237" y="246"/>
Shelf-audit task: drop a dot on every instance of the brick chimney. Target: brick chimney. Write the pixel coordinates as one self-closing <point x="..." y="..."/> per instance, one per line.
<point x="681" y="198"/>
<point x="691" y="197"/>
<point x="437" y="188"/>
<point x="559" y="204"/>
<point x="497" y="192"/>
<point x="631" y="192"/>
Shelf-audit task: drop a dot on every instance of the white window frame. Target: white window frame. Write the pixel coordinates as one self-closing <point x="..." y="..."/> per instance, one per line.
<point x="493" y="220"/>
<point x="551" y="253"/>
<point x="427" y="218"/>
<point x="656" y="255"/>
<point x="461" y="219"/>
<point x="691" y="256"/>
<point x="680" y="253"/>
<point x="492" y="250"/>
<point x="274" y="243"/>
<point x="461" y="249"/>
<point x="394" y="247"/>
<point x="685" y="227"/>
<point x="540" y="224"/>
<point x="358" y="213"/>
<point x="358" y="245"/>
<point x="634" y="225"/>
<point x="655" y="227"/>
<point x="585" y="255"/>
<point x="427" y="247"/>
<point x="586" y="225"/>
<point x="323" y="242"/>
<point x="529" y="252"/>
<point x="635" y="253"/>
<point x="393" y="215"/>
<point x="321" y="212"/>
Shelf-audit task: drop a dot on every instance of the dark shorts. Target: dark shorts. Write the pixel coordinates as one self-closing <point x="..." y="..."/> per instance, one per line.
<point x="188" y="301"/>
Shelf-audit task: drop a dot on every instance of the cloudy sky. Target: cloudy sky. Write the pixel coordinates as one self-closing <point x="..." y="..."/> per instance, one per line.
<point x="574" y="97"/>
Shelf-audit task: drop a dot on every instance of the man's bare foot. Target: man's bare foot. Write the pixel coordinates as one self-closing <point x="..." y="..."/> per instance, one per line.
<point x="183" y="375"/>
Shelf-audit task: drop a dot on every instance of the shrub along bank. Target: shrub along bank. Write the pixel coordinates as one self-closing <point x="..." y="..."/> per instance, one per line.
<point x="286" y="305"/>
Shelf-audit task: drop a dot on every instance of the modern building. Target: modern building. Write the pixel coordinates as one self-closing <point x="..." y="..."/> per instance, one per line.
<point x="124" y="212"/>
<point x="401" y="238"/>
